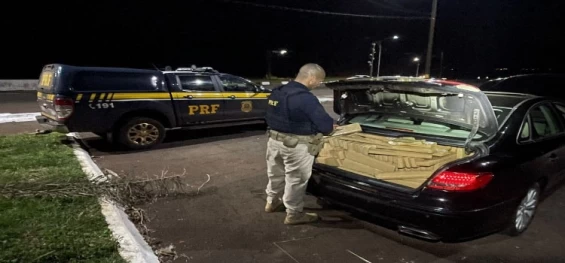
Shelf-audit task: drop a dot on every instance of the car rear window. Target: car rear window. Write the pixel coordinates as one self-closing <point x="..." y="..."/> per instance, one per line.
<point x="413" y="125"/>
<point x="115" y="81"/>
<point x="46" y="81"/>
<point x="503" y="104"/>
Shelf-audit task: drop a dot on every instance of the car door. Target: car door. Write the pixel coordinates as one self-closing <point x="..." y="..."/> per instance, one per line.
<point x="244" y="100"/>
<point x="542" y="135"/>
<point x="200" y="99"/>
<point x="559" y="108"/>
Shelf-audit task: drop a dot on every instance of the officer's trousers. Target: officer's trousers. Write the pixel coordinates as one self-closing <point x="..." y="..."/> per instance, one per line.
<point x="289" y="169"/>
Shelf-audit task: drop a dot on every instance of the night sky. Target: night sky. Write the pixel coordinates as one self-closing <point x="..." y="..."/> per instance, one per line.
<point x="476" y="37"/>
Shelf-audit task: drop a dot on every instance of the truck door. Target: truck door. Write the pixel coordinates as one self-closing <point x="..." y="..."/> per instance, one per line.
<point x="199" y="100"/>
<point x="244" y="100"/>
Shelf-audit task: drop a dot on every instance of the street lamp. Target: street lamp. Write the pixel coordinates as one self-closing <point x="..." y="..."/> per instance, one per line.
<point x="372" y="55"/>
<point x="279" y="52"/>
<point x="417" y="60"/>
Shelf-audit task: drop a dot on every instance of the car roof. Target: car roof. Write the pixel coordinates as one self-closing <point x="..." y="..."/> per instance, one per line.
<point x="541" y="84"/>
<point x="507" y="99"/>
<point x="74" y="68"/>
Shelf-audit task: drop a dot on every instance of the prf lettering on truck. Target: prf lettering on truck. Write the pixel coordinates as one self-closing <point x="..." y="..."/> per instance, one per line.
<point x="203" y="109"/>
<point x="273" y="102"/>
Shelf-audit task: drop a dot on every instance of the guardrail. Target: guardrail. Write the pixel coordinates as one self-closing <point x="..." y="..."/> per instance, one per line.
<point x="18" y="84"/>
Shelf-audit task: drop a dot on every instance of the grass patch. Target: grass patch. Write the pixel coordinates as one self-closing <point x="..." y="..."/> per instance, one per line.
<point x="41" y="159"/>
<point x="40" y="229"/>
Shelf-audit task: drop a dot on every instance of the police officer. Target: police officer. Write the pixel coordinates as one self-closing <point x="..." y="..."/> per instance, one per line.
<point x="297" y="122"/>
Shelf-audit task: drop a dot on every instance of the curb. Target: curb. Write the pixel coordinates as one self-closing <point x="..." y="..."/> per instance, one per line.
<point x="133" y="247"/>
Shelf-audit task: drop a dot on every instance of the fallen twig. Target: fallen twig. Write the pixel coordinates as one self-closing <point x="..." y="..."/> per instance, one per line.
<point x="197" y="192"/>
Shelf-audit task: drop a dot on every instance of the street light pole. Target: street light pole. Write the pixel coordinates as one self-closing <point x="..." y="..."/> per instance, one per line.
<point x="417" y="60"/>
<point x="431" y="38"/>
<point x="280" y="52"/>
<point x="269" y="61"/>
<point x="379" y="60"/>
<point x="372" y="55"/>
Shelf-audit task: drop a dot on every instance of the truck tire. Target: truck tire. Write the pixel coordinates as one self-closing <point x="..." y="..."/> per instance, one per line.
<point x="139" y="133"/>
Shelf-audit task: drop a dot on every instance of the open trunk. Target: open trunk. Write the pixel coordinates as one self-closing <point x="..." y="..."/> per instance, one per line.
<point x="405" y="160"/>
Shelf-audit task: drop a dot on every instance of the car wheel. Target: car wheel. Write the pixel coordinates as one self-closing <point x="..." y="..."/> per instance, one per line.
<point x="525" y="212"/>
<point x="141" y="133"/>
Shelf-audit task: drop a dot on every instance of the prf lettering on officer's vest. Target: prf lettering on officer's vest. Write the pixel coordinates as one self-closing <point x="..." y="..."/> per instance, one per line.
<point x="203" y="109"/>
<point x="273" y="102"/>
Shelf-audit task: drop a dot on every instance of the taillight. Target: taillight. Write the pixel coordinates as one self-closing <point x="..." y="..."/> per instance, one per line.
<point x="460" y="181"/>
<point x="64" y="107"/>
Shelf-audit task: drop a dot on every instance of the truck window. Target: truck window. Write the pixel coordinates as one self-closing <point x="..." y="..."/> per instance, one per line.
<point x="234" y="84"/>
<point x="196" y="83"/>
<point x="115" y="81"/>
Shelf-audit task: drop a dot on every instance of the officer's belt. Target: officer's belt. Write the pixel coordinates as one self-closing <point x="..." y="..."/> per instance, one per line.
<point x="279" y="136"/>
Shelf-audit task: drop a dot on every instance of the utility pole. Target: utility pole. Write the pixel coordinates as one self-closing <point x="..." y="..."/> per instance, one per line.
<point x="431" y="38"/>
<point x="379" y="60"/>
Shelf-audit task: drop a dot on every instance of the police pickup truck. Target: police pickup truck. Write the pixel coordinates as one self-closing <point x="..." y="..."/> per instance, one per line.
<point x="135" y="107"/>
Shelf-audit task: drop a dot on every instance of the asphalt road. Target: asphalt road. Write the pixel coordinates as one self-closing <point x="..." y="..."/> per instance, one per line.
<point x="18" y="102"/>
<point x="224" y="220"/>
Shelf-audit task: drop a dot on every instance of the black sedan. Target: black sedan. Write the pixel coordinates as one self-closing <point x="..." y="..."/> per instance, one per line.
<point x="508" y="149"/>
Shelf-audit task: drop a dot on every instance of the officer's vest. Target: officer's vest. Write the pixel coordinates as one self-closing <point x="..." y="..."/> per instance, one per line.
<point x="278" y="113"/>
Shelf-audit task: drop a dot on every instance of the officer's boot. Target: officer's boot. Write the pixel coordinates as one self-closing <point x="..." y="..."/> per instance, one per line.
<point x="300" y="218"/>
<point x="276" y="206"/>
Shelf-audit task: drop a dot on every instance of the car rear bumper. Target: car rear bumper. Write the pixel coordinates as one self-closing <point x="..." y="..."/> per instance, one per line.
<point x="52" y="125"/>
<point x="418" y="221"/>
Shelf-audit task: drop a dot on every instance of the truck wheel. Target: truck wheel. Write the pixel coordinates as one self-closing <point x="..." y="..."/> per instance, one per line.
<point x="525" y="212"/>
<point x="141" y="133"/>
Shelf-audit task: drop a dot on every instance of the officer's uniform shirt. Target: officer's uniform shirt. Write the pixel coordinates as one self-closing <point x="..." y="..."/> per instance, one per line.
<point x="306" y="115"/>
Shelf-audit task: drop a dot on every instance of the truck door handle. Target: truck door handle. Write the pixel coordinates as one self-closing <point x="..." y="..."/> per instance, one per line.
<point x="553" y="156"/>
<point x="232" y="97"/>
<point x="188" y="96"/>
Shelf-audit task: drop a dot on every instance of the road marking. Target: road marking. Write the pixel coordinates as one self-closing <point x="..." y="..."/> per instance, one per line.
<point x="290" y="240"/>
<point x="284" y="251"/>
<point x="326" y="98"/>
<point x="18" y="117"/>
<point x="366" y="261"/>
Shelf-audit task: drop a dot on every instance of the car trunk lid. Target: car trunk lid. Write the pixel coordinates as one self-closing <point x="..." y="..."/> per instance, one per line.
<point x="447" y="102"/>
